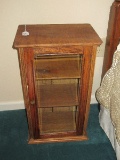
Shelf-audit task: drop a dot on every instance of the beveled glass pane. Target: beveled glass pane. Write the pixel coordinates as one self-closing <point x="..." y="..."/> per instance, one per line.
<point x="57" y="120"/>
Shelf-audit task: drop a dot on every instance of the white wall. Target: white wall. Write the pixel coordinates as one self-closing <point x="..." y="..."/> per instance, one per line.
<point x="13" y="13"/>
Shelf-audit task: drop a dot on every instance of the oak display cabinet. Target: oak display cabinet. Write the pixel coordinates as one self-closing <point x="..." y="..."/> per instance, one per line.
<point x="57" y="65"/>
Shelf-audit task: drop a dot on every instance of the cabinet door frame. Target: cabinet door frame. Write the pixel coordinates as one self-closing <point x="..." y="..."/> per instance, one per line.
<point x="26" y="56"/>
<point x="87" y="74"/>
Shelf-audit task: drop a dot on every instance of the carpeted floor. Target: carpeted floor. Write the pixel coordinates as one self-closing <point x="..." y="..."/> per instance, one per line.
<point x="14" y="133"/>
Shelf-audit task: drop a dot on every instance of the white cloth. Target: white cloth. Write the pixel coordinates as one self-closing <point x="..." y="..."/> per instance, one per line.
<point x="108" y="95"/>
<point x="107" y="126"/>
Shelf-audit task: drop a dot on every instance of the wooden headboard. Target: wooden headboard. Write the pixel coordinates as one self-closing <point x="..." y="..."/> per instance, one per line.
<point x="113" y="35"/>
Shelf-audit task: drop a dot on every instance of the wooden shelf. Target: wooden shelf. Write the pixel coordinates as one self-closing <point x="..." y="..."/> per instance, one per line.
<point x="58" y="67"/>
<point x="57" y="95"/>
<point x="57" y="121"/>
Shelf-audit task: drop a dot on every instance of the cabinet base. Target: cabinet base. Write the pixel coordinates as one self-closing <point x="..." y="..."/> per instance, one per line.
<point x="60" y="139"/>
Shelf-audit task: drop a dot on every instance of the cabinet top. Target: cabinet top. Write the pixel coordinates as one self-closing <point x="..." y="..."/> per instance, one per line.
<point x="56" y="35"/>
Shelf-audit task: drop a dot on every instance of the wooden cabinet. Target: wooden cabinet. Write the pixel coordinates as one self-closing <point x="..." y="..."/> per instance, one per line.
<point x="57" y="65"/>
<point x="113" y="35"/>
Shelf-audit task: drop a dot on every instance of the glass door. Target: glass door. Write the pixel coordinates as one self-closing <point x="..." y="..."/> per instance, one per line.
<point x="57" y="86"/>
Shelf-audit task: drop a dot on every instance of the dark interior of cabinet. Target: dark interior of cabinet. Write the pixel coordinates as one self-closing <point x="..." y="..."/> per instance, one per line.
<point x="57" y="84"/>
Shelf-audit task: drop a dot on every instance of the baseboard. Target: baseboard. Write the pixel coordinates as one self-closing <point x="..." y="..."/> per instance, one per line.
<point x="15" y="105"/>
<point x="93" y="100"/>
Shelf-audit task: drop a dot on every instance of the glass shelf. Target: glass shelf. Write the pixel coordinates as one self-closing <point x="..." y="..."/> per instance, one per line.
<point x="57" y="120"/>
<point x="57" y="93"/>
<point x="56" y="67"/>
